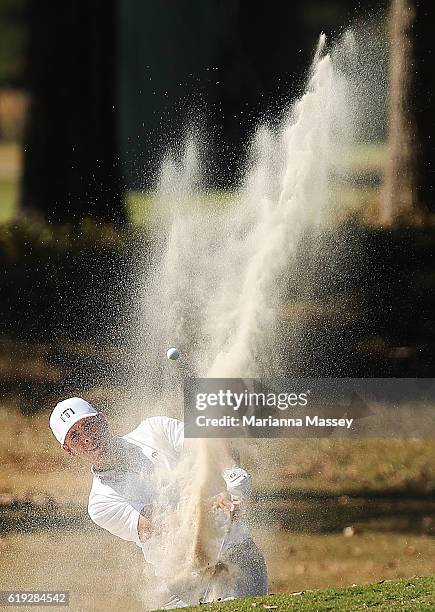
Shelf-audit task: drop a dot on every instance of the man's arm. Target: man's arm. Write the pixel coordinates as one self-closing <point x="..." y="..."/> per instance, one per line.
<point x="173" y="431"/>
<point x="168" y="430"/>
<point x="113" y="513"/>
<point x="220" y="453"/>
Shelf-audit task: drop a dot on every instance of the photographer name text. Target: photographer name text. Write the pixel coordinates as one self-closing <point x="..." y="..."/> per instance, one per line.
<point x="253" y="421"/>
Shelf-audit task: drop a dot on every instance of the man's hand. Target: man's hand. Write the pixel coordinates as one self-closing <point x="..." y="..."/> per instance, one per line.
<point x="226" y="502"/>
<point x="144" y="528"/>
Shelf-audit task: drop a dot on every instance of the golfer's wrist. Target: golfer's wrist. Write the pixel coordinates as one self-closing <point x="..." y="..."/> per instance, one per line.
<point x="144" y="528"/>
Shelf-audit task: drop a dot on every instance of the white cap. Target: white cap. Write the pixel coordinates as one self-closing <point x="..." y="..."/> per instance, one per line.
<point x="67" y="413"/>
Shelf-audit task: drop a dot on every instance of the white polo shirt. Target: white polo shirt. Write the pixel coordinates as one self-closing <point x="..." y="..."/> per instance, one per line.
<point x="117" y="496"/>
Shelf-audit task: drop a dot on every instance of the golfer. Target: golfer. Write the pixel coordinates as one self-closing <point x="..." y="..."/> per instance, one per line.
<point x="124" y="489"/>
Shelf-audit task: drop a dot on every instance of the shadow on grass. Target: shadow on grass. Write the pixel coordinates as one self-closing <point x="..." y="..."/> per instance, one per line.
<point x="309" y="514"/>
<point x="334" y="514"/>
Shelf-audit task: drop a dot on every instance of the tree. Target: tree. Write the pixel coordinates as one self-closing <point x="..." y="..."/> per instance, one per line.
<point x="71" y="164"/>
<point x="409" y="178"/>
<point x="424" y="101"/>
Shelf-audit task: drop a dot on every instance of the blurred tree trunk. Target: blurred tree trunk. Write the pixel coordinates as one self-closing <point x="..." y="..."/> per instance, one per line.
<point x="407" y="193"/>
<point x="71" y="165"/>
<point x="399" y="198"/>
<point x="424" y="100"/>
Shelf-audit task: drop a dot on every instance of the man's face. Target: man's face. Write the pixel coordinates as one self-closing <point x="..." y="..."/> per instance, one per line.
<point x="89" y="439"/>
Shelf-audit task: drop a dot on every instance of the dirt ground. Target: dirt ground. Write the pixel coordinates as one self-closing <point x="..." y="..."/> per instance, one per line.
<point x="103" y="573"/>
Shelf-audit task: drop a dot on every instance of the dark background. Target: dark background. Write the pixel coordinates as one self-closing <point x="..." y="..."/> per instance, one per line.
<point x="113" y="84"/>
<point x="97" y="91"/>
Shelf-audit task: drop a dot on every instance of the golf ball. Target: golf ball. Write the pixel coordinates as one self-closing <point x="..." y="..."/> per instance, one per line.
<point x="172" y="354"/>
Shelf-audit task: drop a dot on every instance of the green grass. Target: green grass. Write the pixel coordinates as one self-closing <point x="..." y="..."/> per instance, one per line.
<point x="367" y="157"/>
<point x="414" y="594"/>
<point x="10" y="164"/>
<point x="8" y="200"/>
<point x="141" y="205"/>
